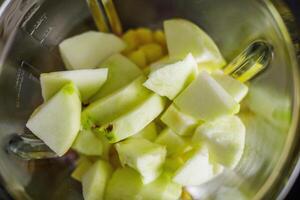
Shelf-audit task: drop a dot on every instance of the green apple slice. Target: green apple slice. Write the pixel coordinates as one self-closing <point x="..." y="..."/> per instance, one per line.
<point x="87" y="81"/>
<point x="82" y="167"/>
<point x="57" y="121"/>
<point x="205" y="99"/>
<point x="173" y="142"/>
<point x="142" y="155"/>
<point x="184" y="37"/>
<point x="89" y="49"/>
<point x="171" y="79"/>
<point x="89" y="144"/>
<point x="94" y="181"/>
<point x="120" y="102"/>
<point x="122" y="71"/>
<point x="163" y="188"/>
<point x="196" y="170"/>
<point x="159" y="64"/>
<point x="149" y="132"/>
<point x="225" y="138"/>
<point x="235" y="88"/>
<point x="125" y="184"/>
<point x="179" y="122"/>
<point x="134" y="121"/>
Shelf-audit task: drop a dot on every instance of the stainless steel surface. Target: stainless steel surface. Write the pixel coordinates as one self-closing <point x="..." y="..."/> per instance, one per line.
<point x="30" y="31"/>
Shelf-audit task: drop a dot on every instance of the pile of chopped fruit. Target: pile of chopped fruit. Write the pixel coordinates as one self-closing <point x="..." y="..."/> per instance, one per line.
<point x="149" y="113"/>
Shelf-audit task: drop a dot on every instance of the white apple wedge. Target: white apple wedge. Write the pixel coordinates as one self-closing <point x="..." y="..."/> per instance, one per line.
<point x="163" y="188"/>
<point x="142" y="155"/>
<point x="57" y="121"/>
<point x="89" y="49"/>
<point x="87" y="81"/>
<point x="149" y="132"/>
<point x="134" y="121"/>
<point x="173" y="142"/>
<point x="125" y="184"/>
<point x="182" y="124"/>
<point x="184" y="37"/>
<point x="113" y="106"/>
<point x="171" y="79"/>
<point x="122" y="71"/>
<point x="225" y="138"/>
<point x="235" y="88"/>
<point x="87" y="143"/>
<point x="94" y="181"/>
<point x="196" y="170"/>
<point x="205" y="99"/>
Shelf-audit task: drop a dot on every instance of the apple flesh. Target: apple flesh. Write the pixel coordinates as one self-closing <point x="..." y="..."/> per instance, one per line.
<point x="89" y="144"/>
<point x="235" y="88"/>
<point x="149" y="132"/>
<point x="87" y="81"/>
<point x="205" y="99"/>
<point x="225" y="138"/>
<point x="196" y="170"/>
<point x="89" y="49"/>
<point x="57" y="121"/>
<point x="171" y="79"/>
<point x="134" y="121"/>
<point x="184" y="37"/>
<point x="121" y="72"/>
<point x="125" y="184"/>
<point x="144" y="156"/>
<point x="173" y="142"/>
<point x="179" y="122"/>
<point x="82" y="167"/>
<point x="163" y="188"/>
<point x="113" y="106"/>
<point x="94" y="181"/>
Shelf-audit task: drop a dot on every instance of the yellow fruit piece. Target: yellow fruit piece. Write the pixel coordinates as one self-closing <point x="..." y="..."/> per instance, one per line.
<point x="132" y="40"/>
<point x="145" y="35"/>
<point x="152" y="51"/>
<point x="185" y="195"/>
<point x="139" y="58"/>
<point x="159" y="37"/>
<point x="83" y="165"/>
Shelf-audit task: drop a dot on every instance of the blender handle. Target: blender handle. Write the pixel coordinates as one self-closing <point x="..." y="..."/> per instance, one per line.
<point x="247" y="65"/>
<point x="105" y="16"/>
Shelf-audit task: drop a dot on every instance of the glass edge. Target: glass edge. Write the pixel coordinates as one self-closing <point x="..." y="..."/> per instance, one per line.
<point x="276" y="186"/>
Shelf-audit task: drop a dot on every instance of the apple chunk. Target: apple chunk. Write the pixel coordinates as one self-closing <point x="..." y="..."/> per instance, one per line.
<point x="144" y="156"/>
<point x="89" y="49"/>
<point x="179" y="122"/>
<point x="121" y="72"/>
<point x="163" y="188"/>
<point x="94" y="181"/>
<point x="57" y="121"/>
<point x="171" y="79"/>
<point x="88" y="81"/>
<point x="134" y="121"/>
<point x="225" y="138"/>
<point x="89" y="144"/>
<point x="149" y="132"/>
<point x="82" y="167"/>
<point x="173" y="142"/>
<point x="184" y="37"/>
<point x="196" y="170"/>
<point x="235" y="88"/>
<point x="125" y="184"/>
<point x="120" y="102"/>
<point x="205" y="99"/>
